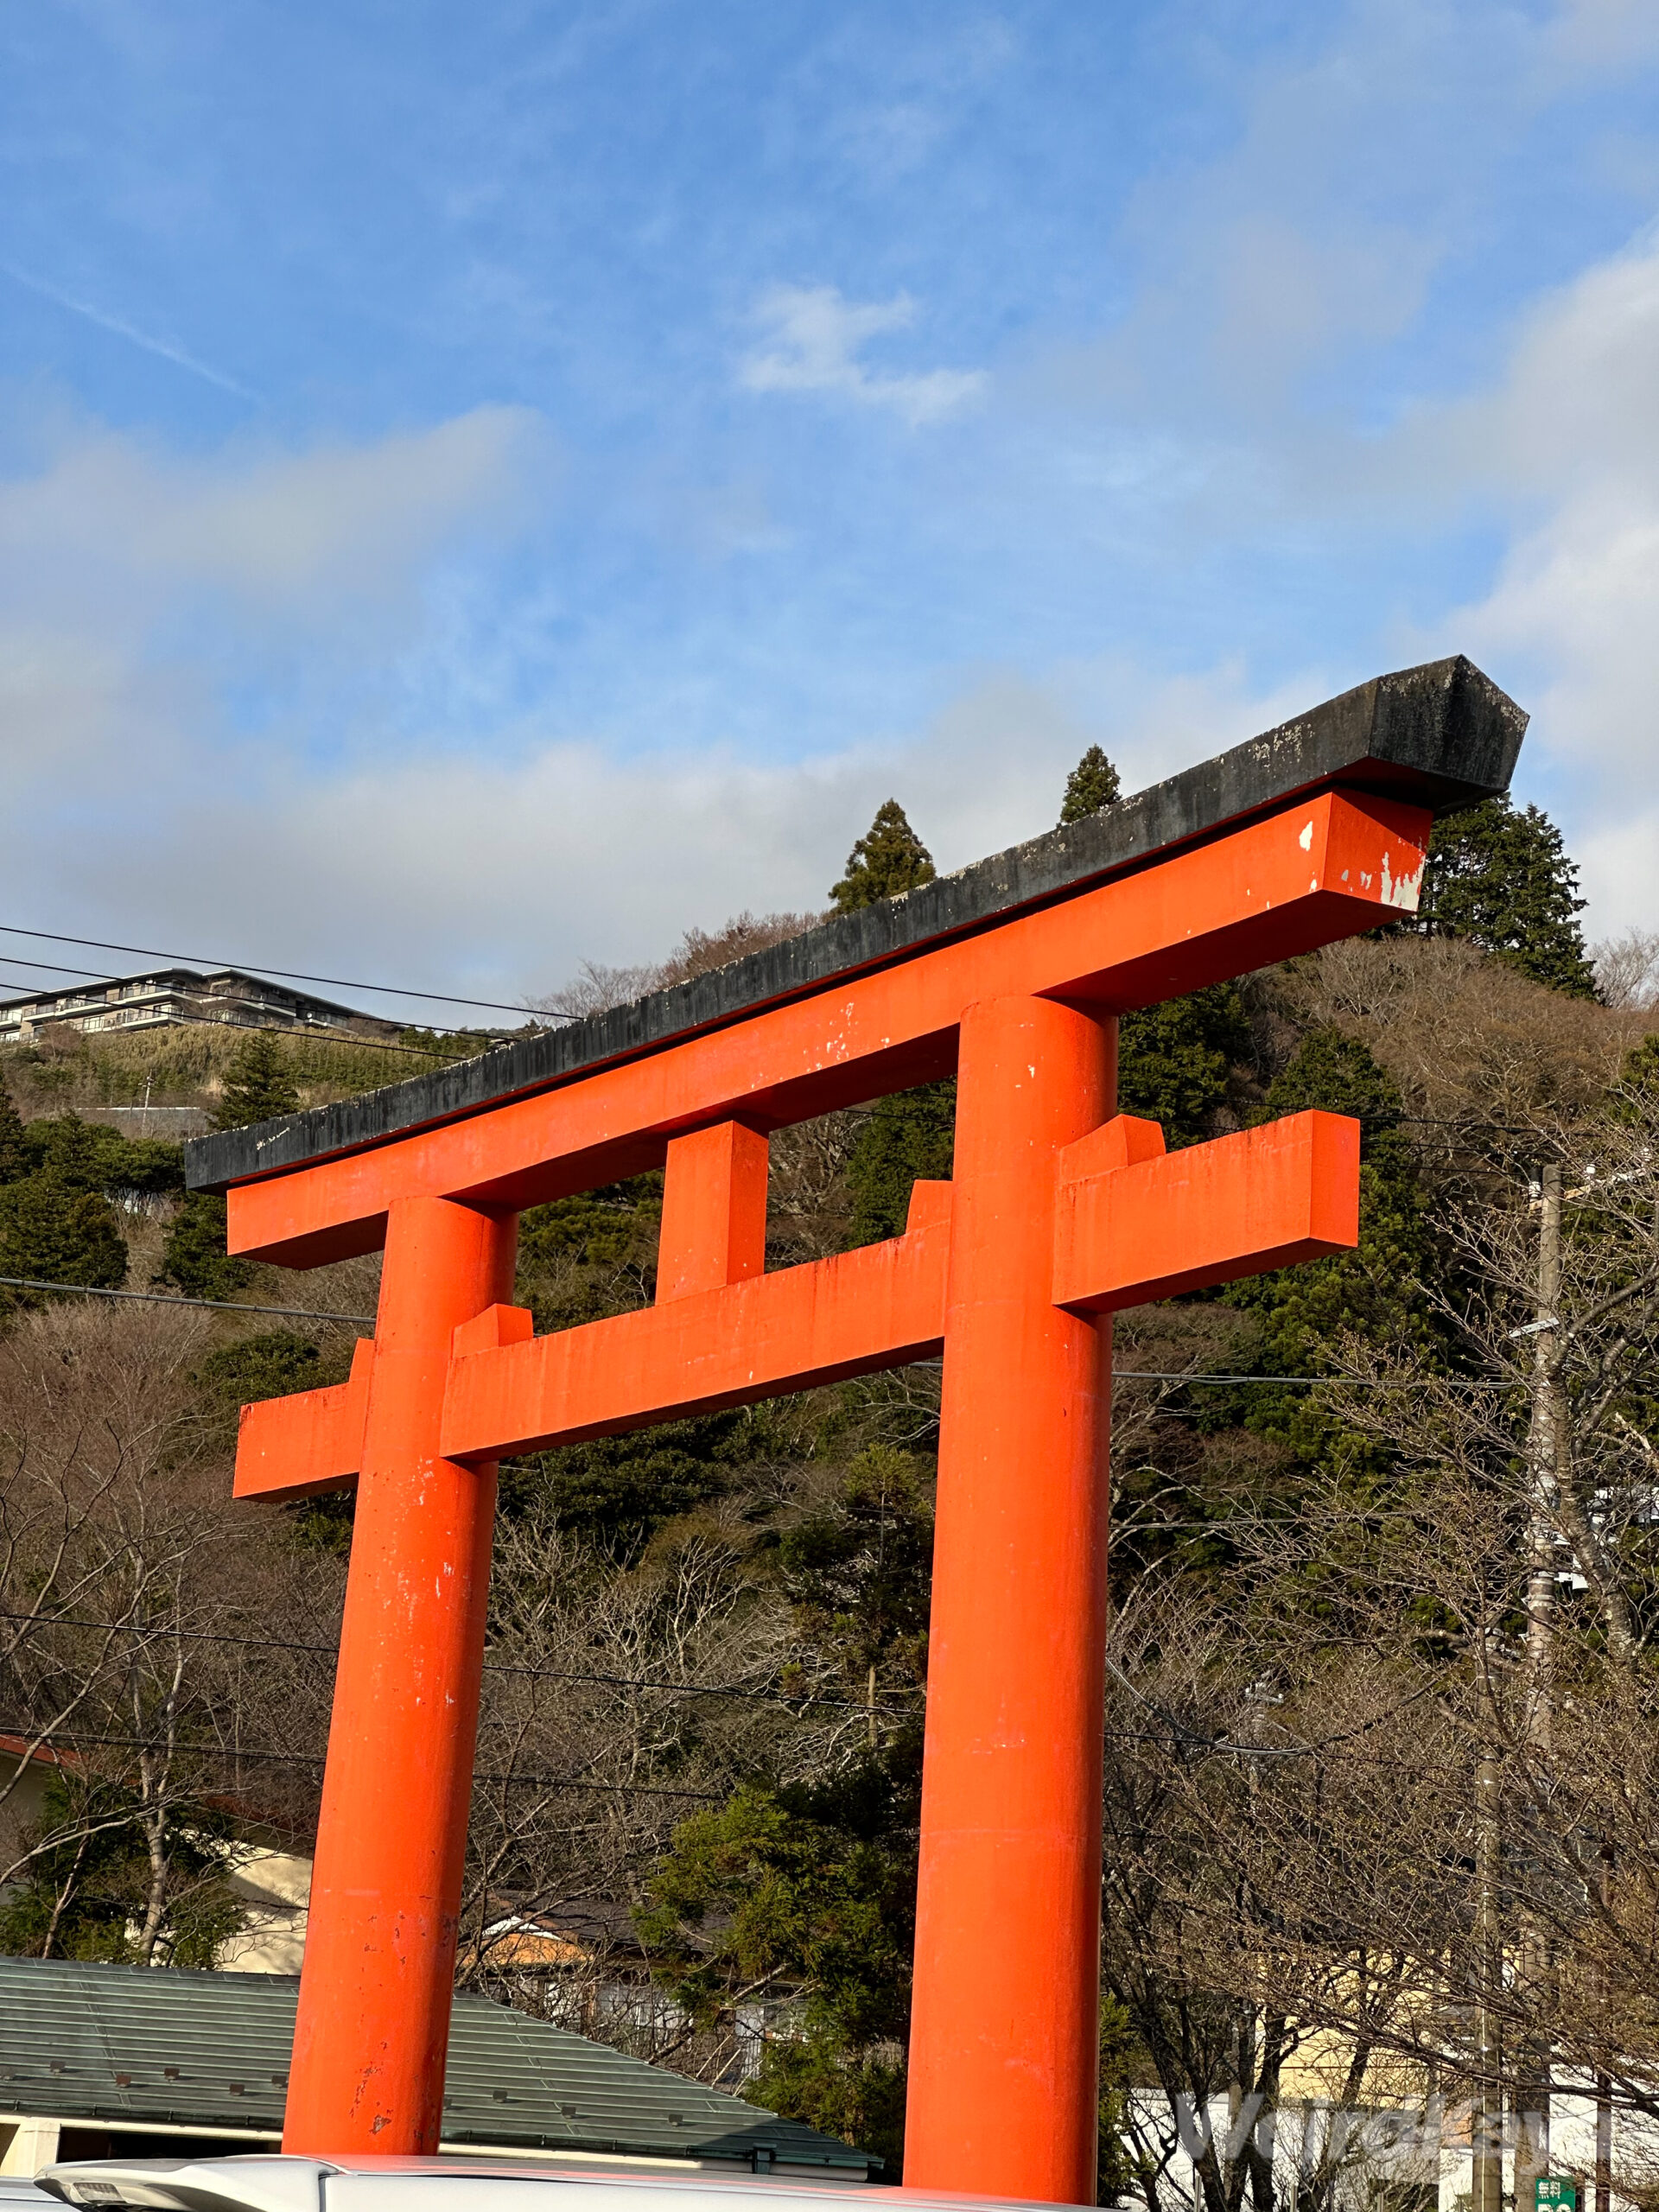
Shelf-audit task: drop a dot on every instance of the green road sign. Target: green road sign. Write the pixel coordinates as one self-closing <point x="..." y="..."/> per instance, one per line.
<point x="1556" y="2193"/>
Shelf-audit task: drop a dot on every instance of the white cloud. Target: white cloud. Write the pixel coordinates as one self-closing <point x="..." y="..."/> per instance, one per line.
<point x="1600" y="34"/>
<point x="812" y="341"/>
<point x="140" y="800"/>
<point x="1570" y="439"/>
<point x="503" y="875"/>
<point x="276" y="530"/>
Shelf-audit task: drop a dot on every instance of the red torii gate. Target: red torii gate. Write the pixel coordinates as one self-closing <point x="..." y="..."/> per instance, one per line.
<point x="1060" y="1212"/>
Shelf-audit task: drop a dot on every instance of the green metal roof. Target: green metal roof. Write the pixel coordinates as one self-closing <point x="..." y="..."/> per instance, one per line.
<point x="171" y="2049"/>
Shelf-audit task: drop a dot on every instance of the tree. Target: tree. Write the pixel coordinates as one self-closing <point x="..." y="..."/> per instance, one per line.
<point x="810" y="1885"/>
<point x="87" y="1890"/>
<point x="906" y="1137"/>
<point x="55" y="1224"/>
<point x="1502" y="877"/>
<point x="53" y="1232"/>
<point x="194" y="1260"/>
<point x="887" y="859"/>
<point x="129" y="1576"/>
<point x="1306" y="1312"/>
<point x="14" y="1159"/>
<point x="257" y="1086"/>
<point x="1175" y="1059"/>
<point x="859" y="1571"/>
<point x="86" y="1156"/>
<point x="1091" y="786"/>
<point x="614" y="1492"/>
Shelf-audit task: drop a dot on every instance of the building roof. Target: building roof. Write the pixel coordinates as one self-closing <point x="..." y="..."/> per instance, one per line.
<point x="1441" y="735"/>
<point x="185" y="2051"/>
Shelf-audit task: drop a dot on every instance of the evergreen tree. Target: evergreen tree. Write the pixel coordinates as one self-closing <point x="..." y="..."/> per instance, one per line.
<point x="53" y="1232"/>
<point x="194" y="1260"/>
<point x="1375" y="1290"/>
<point x="1502" y="878"/>
<point x="86" y="1156"/>
<point x="1091" y="786"/>
<point x="1175" y="1059"/>
<point x="908" y="1136"/>
<point x="816" y="1886"/>
<point x="257" y="1086"/>
<point x="615" y="1492"/>
<point x="13" y="1156"/>
<point x="1640" y="1072"/>
<point x="859" y="1571"/>
<point x="887" y="859"/>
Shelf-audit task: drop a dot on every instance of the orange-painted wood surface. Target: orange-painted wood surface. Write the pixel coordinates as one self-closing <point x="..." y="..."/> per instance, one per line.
<point x="1322" y="870"/>
<point x="1156" y="1226"/>
<point x="308" y="1443"/>
<point x="1058" y="1213"/>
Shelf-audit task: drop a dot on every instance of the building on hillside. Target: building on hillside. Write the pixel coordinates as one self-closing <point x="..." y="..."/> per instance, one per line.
<point x="163" y="997"/>
<point x="97" y="2060"/>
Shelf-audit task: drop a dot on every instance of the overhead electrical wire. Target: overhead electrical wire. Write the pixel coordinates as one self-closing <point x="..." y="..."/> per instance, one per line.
<point x="315" y="1758"/>
<point x="1121" y="1374"/>
<point x="491" y="1666"/>
<point x="253" y="967"/>
<point x="306" y="1034"/>
<point x="1260" y="1751"/>
<point x="166" y="1298"/>
<point x="349" y="1043"/>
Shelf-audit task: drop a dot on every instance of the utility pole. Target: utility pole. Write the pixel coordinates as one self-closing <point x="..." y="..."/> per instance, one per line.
<point x="1604" y="2082"/>
<point x="1543" y="1461"/>
<point x="1486" y="2121"/>
<point x="1535" y="1961"/>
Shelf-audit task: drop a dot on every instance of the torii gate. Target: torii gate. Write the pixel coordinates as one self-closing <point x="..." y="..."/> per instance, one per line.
<point x="1060" y="1212"/>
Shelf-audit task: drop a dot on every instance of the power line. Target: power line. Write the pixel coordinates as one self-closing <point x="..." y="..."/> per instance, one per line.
<point x="250" y="967"/>
<point x="491" y="1667"/>
<point x="309" y="1035"/>
<point x="1122" y="1374"/>
<point x="1262" y="1751"/>
<point x="1346" y="1381"/>
<point x="352" y="1044"/>
<point x="166" y="1298"/>
<point x="233" y="1751"/>
<point x="100" y="974"/>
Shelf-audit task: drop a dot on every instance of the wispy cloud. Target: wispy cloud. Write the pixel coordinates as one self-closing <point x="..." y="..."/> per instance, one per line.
<point x="160" y="346"/>
<point x="813" y="338"/>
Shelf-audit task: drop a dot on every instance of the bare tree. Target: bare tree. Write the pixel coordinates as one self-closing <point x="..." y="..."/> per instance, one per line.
<point x="136" y="1594"/>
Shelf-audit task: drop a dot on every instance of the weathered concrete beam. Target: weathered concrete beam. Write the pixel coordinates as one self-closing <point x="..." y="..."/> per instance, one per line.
<point x="1441" y="734"/>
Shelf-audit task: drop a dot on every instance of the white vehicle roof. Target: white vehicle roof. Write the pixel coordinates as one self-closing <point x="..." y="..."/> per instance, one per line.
<point x="294" y="2184"/>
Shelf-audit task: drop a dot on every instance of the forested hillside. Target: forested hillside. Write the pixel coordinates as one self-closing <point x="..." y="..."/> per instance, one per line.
<point x="1366" y="1539"/>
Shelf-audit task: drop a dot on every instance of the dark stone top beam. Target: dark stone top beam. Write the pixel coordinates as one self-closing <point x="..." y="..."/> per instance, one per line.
<point x="1442" y="734"/>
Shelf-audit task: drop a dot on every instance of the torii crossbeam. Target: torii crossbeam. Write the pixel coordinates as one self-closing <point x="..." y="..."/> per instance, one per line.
<point x="1060" y="1212"/>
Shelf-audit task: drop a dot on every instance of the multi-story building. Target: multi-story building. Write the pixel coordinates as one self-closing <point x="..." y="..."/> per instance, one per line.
<point x="162" y="997"/>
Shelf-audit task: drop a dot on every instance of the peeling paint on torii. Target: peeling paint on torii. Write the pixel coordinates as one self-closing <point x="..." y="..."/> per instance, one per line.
<point x="1060" y="1212"/>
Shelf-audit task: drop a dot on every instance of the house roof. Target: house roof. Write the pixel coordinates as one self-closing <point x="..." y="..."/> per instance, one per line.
<point x="185" y="2051"/>
<point x="1441" y="735"/>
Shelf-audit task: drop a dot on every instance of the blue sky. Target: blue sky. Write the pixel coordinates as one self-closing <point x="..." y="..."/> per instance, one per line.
<point x="483" y="488"/>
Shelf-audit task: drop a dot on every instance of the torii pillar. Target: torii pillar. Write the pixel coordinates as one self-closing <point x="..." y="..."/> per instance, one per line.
<point x="1060" y="1212"/>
